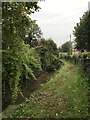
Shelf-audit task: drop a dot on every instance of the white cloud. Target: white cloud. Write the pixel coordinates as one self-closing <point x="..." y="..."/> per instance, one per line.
<point x="57" y="18"/>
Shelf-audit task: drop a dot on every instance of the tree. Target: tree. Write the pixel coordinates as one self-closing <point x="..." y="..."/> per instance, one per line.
<point x="48" y="53"/>
<point x="66" y="47"/>
<point x="82" y="32"/>
<point x="16" y="55"/>
<point x="15" y="21"/>
<point x="49" y="44"/>
<point x="34" y="35"/>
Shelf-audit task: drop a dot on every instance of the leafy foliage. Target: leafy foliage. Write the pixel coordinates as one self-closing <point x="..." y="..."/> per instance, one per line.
<point x="66" y="47"/>
<point x="48" y="52"/>
<point x="16" y="55"/>
<point x="33" y="35"/>
<point x="82" y="32"/>
<point x="15" y="21"/>
<point x="86" y="64"/>
<point x="22" y="63"/>
<point x="15" y="66"/>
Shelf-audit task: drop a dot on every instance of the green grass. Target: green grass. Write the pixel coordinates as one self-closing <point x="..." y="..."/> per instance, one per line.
<point x="64" y="96"/>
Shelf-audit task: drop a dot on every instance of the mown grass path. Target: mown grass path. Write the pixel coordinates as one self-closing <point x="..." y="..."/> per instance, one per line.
<point x="63" y="96"/>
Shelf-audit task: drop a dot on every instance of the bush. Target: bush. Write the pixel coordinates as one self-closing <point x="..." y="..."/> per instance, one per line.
<point x="35" y="62"/>
<point x="49" y="61"/>
<point x="86" y="63"/>
<point x="18" y="67"/>
<point x="52" y="63"/>
<point x="11" y="72"/>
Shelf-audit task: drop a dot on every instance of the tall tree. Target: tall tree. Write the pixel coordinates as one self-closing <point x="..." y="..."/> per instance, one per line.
<point x="16" y="55"/>
<point x="15" y="21"/>
<point x="82" y="32"/>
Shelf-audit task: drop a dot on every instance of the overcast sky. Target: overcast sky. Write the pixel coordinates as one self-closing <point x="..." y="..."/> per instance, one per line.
<point x="57" y="18"/>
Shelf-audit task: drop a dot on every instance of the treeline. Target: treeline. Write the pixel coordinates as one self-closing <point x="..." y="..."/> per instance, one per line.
<point x="79" y="49"/>
<point x="81" y="33"/>
<point x="25" y="53"/>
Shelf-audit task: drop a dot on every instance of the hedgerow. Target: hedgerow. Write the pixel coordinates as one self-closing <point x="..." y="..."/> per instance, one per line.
<point x="18" y="66"/>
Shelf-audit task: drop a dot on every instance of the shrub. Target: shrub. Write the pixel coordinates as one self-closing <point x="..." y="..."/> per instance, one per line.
<point x="49" y="61"/>
<point x="86" y="63"/>
<point x="18" y="67"/>
<point x="52" y="62"/>
<point x="35" y="62"/>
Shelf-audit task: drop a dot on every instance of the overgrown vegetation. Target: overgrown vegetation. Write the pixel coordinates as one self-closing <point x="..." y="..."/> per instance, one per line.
<point x="26" y="54"/>
<point x="64" y="96"/>
<point x="49" y="55"/>
<point x="23" y="58"/>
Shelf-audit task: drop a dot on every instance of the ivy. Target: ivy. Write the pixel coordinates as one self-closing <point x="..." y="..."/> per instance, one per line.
<point x="16" y="64"/>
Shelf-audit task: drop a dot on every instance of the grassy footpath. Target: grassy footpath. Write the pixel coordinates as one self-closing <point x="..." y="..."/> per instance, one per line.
<point x="64" y="96"/>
